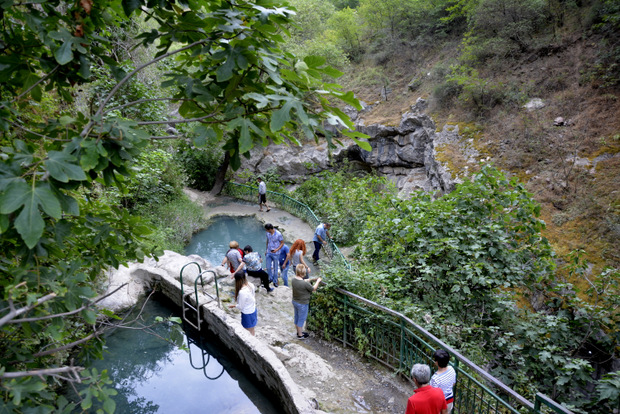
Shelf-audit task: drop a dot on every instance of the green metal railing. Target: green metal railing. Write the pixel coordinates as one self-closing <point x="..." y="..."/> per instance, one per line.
<point x="398" y="342"/>
<point x="296" y="208"/>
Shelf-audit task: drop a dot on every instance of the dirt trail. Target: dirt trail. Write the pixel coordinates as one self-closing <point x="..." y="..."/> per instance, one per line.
<point x="340" y="380"/>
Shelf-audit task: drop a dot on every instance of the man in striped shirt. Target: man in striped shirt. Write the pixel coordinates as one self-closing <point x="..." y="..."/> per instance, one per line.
<point x="445" y="377"/>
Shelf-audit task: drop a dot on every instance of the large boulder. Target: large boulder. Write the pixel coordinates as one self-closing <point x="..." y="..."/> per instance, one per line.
<point x="405" y="154"/>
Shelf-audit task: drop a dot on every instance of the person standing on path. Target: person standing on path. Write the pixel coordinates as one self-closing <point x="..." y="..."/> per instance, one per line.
<point x="302" y="290"/>
<point x="273" y="245"/>
<point x="262" y="194"/>
<point x="246" y="301"/>
<point x="283" y="264"/>
<point x="445" y="377"/>
<point x="321" y="234"/>
<point x="252" y="262"/>
<point x="296" y="256"/>
<point x="425" y="399"/>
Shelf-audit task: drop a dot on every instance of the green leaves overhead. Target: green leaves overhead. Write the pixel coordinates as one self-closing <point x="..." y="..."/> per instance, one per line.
<point x="62" y="167"/>
<point x="29" y="222"/>
<point x="223" y="69"/>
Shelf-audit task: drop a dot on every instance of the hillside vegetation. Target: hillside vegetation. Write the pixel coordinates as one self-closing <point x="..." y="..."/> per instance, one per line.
<point x="478" y="62"/>
<point x="108" y="108"/>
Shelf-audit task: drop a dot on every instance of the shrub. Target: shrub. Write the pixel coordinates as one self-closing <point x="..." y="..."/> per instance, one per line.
<point x="200" y="165"/>
<point x="344" y="200"/>
<point x="173" y="223"/>
<point x="156" y="179"/>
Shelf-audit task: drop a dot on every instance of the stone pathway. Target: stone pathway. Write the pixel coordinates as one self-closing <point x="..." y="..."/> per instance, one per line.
<point x="337" y="378"/>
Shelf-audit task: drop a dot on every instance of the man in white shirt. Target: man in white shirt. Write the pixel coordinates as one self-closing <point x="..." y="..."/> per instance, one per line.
<point x="262" y="194"/>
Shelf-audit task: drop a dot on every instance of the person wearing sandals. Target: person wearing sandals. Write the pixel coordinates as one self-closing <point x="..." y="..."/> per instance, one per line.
<point x="302" y="290"/>
<point x="252" y="262"/>
<point x="246" y="301"/>
<point x="296" y="256"/>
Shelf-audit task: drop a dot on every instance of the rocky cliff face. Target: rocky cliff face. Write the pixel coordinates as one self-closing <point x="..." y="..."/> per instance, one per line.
<point x="404" y="154"/>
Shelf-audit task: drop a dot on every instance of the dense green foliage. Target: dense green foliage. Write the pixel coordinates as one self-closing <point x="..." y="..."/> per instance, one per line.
<point x="65" y="170"/>
<point x="343" y="201"/>
<point x="458" y="265"/>
<point x="200" y="165"/>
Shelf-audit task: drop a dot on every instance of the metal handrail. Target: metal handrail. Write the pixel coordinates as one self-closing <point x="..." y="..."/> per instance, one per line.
<point x="183" y="294"/>
<point x="309" y="216"/>
<point x="440" y="344"/>
<point x="289" y="204"/>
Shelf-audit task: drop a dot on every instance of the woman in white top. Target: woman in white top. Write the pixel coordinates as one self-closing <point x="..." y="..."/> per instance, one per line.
<point x="246" y="302"/>
<point x="296" y="256"/>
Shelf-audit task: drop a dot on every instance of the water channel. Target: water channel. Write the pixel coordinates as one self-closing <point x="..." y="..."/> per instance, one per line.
<point x="154" y="376"/>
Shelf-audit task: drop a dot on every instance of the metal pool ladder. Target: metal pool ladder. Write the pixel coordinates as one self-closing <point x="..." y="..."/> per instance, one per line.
<point x="186" y="297"/>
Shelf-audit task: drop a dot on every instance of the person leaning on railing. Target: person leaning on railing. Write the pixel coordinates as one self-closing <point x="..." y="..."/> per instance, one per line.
<point x="321" y="235"/>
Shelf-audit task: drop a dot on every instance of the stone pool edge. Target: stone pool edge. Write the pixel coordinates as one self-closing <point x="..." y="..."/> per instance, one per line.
<point x="262" y="362"/>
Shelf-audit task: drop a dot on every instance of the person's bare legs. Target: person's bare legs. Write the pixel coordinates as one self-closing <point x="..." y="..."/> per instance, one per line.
<point x="251" y="330"/>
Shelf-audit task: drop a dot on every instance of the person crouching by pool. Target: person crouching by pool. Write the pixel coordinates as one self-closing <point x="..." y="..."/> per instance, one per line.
<point x="246" y="302"/>
<point x="252" y="262"/>
<point x="302" y="290"/>
<point x="234" y="257"/>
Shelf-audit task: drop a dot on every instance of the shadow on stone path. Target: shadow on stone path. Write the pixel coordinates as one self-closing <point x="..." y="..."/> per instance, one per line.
<point x="340" y="380"/>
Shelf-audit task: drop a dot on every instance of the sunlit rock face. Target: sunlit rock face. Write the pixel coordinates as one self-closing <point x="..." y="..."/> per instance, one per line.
<point x="405" y="154"/>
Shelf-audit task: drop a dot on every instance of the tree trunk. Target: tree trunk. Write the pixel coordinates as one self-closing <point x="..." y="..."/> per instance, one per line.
<point x="220" y="177"/>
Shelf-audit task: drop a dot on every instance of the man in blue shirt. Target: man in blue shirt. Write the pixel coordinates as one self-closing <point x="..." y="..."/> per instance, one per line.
<point x="273" y="246"/>
<point x="321" y="234"/>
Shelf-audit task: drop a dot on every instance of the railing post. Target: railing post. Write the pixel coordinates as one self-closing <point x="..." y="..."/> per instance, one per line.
<point x="344" y="321"/>
<point x="402" y="344"/>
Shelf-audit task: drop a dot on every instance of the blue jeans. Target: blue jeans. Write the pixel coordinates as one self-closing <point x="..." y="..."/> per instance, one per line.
<point x="317" y="249"/>
<point x="273" y="262"/>
<point x="284" y="274"/>
<point x="301" y="313"/>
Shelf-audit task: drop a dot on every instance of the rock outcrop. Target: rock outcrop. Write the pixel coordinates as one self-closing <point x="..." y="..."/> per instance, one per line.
<point x="137" y="278"/>
<point x="404" y="153"/>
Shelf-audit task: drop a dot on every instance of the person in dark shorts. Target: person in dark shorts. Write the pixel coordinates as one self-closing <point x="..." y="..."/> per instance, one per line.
<point x="262" y="195"/>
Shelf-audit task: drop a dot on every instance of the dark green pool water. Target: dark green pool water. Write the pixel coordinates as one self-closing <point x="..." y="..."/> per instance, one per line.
<point x="155" y="376"/>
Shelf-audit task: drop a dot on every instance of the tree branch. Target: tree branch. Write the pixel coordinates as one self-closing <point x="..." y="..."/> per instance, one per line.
<point x="18" y="97"/>
<point x="67" y="346"/>
<point x="37" y="134"/>
<point x="13" y="313"/>
<point x="43" y="372"/>
<point x="168" y="137"/>
<point x="129" y="76"/>
<point x="139" y="101"/>
<point x="73" y="312"/>
<point x="178" y="121"/>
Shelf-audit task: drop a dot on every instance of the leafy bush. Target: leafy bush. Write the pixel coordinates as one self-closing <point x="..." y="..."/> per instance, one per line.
<point x="607" y="22"/>
<point x="173" y="223"/>
<point x="200" y="165"/>
<point x="157" y="179"/>
<point x="513" y="21"/>
<point x="344" y="200"/>
<point x="462" y="262"/>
